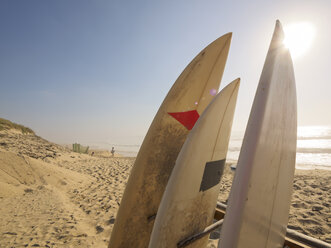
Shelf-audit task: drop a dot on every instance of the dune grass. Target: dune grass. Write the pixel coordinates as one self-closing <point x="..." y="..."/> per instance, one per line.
<point x="6" y="124"/>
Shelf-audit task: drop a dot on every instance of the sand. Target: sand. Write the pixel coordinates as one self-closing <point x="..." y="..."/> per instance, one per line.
<point x="52" y="197"/>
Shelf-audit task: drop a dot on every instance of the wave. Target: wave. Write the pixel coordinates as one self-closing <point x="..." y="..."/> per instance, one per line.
<point x="322" y="137"/>
<point x="299" y="150"/>
<point x="301" y="166"/>
<point x="125" y="145"/>
<point x="313" y="150"/>
<point x="234" y="149"/>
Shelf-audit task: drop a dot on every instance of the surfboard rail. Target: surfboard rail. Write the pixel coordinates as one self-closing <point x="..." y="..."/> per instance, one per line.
<point x="293" y="238"/>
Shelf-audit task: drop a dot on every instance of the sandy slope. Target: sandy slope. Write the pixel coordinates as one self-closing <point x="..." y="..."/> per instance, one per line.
<point x="63" y="200"/>
<point x="51" y="197"/>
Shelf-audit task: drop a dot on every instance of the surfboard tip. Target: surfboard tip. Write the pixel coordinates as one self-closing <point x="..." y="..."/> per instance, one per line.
<point x="229" y="34"/>
<point x="227" y="37"/>
<point x="278" y="36"/>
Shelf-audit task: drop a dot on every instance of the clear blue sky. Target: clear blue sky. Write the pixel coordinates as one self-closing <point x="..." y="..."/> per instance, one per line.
<point x="97" y="71"/>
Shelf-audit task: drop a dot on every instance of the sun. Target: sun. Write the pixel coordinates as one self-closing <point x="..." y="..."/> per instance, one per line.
<point x="299" y="37"/>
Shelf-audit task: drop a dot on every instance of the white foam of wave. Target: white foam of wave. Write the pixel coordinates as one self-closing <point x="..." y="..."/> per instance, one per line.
<point x="313" y="147"/>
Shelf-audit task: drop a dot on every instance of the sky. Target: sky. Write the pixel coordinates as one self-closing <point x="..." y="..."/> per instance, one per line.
<point x="96" y="72"/>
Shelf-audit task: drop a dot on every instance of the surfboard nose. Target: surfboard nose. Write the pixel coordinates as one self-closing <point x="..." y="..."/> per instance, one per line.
<point x="228" y="36"/>
<point x="278" y="36"/>
<point x="234" y="85"/>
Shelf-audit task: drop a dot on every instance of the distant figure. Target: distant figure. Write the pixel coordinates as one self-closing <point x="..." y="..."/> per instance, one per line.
<point x="112" y="151"/>
<point x="92" y="153"/>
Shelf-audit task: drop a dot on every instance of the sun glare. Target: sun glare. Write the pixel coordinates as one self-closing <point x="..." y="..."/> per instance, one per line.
<point x="298" y="37"/>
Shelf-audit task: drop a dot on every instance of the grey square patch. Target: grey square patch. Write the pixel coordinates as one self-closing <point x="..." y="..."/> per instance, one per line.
<point x="212" y="174"/>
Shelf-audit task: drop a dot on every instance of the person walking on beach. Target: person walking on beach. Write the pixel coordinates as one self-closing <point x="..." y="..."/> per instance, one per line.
<point x="112" y="151"/>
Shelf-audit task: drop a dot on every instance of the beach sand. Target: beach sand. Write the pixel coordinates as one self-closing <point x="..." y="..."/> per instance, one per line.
<point x="52" y="197"/>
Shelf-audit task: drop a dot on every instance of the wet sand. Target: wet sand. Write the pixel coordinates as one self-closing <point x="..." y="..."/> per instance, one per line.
<point x="52" y="197"/>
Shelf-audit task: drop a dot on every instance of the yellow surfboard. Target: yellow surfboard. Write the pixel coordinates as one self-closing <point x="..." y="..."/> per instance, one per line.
<point x="189" y="201"/>
<point x="186" y="100"/>
<point x="259" y="201"/>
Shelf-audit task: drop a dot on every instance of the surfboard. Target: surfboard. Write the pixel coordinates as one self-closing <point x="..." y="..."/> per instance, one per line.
<point x="189" y="201"/>
<point x="259" y="201"/>
<point x="189" y="96"/>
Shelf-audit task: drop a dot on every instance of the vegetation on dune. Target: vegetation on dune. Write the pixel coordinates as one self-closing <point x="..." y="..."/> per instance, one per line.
<point x="6" y="124"/>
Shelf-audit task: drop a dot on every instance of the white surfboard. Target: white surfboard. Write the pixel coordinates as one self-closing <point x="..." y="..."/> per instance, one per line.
<point x="259" y="201"/>
<point x="189" y="96"/>
<point x="189" y="201"/>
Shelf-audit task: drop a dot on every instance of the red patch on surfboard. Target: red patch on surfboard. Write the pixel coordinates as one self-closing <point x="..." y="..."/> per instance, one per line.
<point x="187" y="119"/>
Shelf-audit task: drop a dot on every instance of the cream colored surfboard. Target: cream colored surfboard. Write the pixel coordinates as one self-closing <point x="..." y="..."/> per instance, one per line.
<point x="259" y="202"/>
<point x="189" y="201"/>
<point x="189" y="96"/>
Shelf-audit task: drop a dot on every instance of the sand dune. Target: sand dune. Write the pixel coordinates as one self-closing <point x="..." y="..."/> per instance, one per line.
<point x="52" y="197"/>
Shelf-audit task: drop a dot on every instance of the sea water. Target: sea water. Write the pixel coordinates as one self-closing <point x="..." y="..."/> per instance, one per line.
<point x="313" y="147"/>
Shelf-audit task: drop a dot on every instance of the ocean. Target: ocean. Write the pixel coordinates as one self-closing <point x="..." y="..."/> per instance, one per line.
<point x="313" y="147"/>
